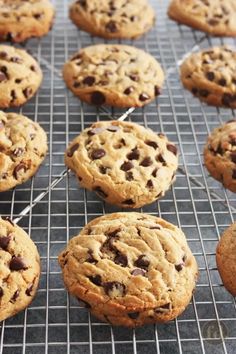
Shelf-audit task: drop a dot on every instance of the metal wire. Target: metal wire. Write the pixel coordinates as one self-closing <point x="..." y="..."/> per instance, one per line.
<point x="52" y="208"/>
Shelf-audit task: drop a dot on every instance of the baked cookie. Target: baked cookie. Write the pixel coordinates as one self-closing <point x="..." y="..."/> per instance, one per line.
<point x="19" y="269"/>
<point x="20" y="76"/>
<point x="23" y="146"/>
<point x="211" y="76"/>
<point x="113" y="19"/>
<point x="220" y="154"/>
<point x="123" y="162"/>
<point x="20" y="19"/>
<point x="216" y="17"/>
<point x="115" y="75"/>
<point x="226" y="258"/>
<point x="130" y="269"/>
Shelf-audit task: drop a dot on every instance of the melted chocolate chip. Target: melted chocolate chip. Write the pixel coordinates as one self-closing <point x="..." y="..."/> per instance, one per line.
<point x="128" y="90"/>
<point x="133" y="155"/>
<point x="4" y="242"/>
<point x="98" y="98"/>
<point x="179" y="267"/>
<point x="111" y="26"/>
<point x="29" y="290"/>
<point x="17" y="263"/>
<point x="126" y="166"/>
<point x="133" y="315"/>
<point x="149" y="184"/>
<point x="100" y="192"/>
<point x="38" y="16"/>
<point x="89" y="80"/>
<point x="160" y="158"/>
<point x="114" y="288"/>
<point x="138" y="271"/>
<point x="73" y="148"/>
<point x="210" y="75"/>
<point x="96" y="279"/>
<point x="146" y="162"/>
<point x="222" y="82"/>
<point x="152" y="144"/>
<point x="121" y="259"/>
<point x="142" y="262"/>
<point x="134" y="77"/>
<point x="33" y="68"/>
<point x="19" y="168"/>
<point x="213" y="22"/>
<point x="172" y="148"/>
<point x="128" y="202"/>
<point x="97" y="154"/>
<point x="129" y="176"/>
<point x="15" y="296"/>
<point x="143" y="97"/>
<point x="154" y="172"/>
<point x="3" y="55"/>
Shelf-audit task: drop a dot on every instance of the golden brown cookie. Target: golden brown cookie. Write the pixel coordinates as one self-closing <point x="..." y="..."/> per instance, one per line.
<point x="21" y="20"/>
<point x="123" y="162"/>
<point x="130" y="269"/>
<point x="113" y="19"/>
<point x="226" y="258"/>
<point x="113" y="74"/>
<point x="19" y="269"/>
<point x="23" y="147"/>
<point x="220" y="154"/>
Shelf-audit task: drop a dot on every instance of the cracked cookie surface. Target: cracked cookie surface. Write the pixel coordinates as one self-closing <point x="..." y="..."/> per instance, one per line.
<point x="20" y="76"/>
<point x="220" y="154"/>
<point x="19" y="269"/>
<point x="115" y="75"/>
<point x="113" y="19"/>
<point x="226" y="258"/>
<point x="23" y="146"/>
<point x="211" y="76"/>
<point x="130" y="269"/>
<point x="123" y="162"/>
<point x="216" y="17"/>
<point x="21" y="20"/>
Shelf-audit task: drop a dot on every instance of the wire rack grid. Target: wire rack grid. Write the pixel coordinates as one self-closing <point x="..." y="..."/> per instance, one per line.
<point x="52" y="209"/>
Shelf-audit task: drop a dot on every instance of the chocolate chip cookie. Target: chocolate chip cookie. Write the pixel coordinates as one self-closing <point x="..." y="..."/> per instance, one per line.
<point x="23" y="146"/>
<point x="113" y="19"/>
<point x="20" y="19"/>
<point x="115" y="75"/>
<point x="220" y="154"/>
<point x="20" y="76"/>
<point x="226" y="258"/>
<point x="216" y="17"/>
<point x="19" y="269"/>
<point x="123" y="162"/>
<point x="211" y="76"/>
<point x="130" y="269"/>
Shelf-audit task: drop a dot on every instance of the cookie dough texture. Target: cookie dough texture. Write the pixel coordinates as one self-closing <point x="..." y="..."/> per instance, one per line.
<point x="211" y="76"/>
<point x="226" y="258"/>
<point x="220" y="154"/>
<point x="113" y="19"/>
<point x="19" y="269"/>
<point x="23" y="146"/>
<point x="21" y="20"/>
<point x="130" y="269"/>
<point x="20" y="76"/>
<point x="115" y="75"/>
<point x="123" y="162"/>
<point x="216" y="17"/>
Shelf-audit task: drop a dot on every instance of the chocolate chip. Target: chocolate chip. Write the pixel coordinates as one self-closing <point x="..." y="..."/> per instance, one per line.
<point x="96" y="279"/>
<point x="126" y="166"/>
<point x="15" y="296"/>
<point x="233" y="156"/>
<point x="89" y="80"/>
<point x="143" y="97"/>
<point x="128" y="90"/>
<point x="16" y="60"/>
<point x="3" y="77"/>
<point x="149" y="184"/>
<point x="133" y="315"/>
<point x="29" y="290"/>
<point x="72" y="149"/>
<point x="114" y="288"/>
<point x="133" y="155"/>
<point x="4" y="242"/>
<point x="152" y="144"/>
<point x="204" y="93"/>
<point x="1" y="292"/>
<point x="113" y="233"/>
<point x="138" y="271"/>
<point x="95" y="131"/>
<point x="18" y="151"/>
<point x="98" y="98"/>
<point x="76" y="84"/>
<point x="146" y="162"/>
<point x="227" y="99"/>
<point x="234" y="174"/>
<point x="163" y="308"/>
<point x="222" y="82"/>
<point x="210" y="75"/>
<point x="154" y="172"/>
<point x="17" y="263"/>
<point x="33" y="68"/>
<point x="19" y="168"/>
<point x="179" y="267"/>
<point x="160" y="158"/>
<point x="128" y="202"/>
<point x="157" y="91"/>
<point x="213" y="22"/>
<point x="134" y="77"/>
<point x="100" y="192"/>
<point x="82" y="3"/>
<point x="133" y="18"/>
<point x="113" y="128"/>
<point x="129" y="176"/>
<point x="111" y="26"/>
<point x="103" y="169"/>
<point x="172" y="148"/>
<point x="27" y="92"/>
<point x="97" y="154"/>
<point x="142" y="262"/>
<point x="9" y="37"/>
<point x="121" y="259"/>
<point x="18" y="81"/>
<point x="3" y="55"/>
<point x="13" y="95"/>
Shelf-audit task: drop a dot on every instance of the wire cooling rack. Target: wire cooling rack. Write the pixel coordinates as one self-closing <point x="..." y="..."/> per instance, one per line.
<point x="51" y="207"/>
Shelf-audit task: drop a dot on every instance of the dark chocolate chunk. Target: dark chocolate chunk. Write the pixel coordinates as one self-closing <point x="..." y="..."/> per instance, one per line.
<point x="89" y="80"/>
<point x="147" y="161"/>
<point x="128" y="90"/>
<point x="33" y="68"/>
<point x="100" y="192"/>
<point x="19" y="168"/>
<point x="142" y="262"/>
<point x="133" y="155"/>
<point x="15" y="296"/>
<point x="143" y="97"/>
<point x="114" y="288"/>
<point x="73" y="148"/>
<point x="17" y="263"/>
<point x="4" y="242"/>
<point x="96" y="279"/>
<point x="97" y="154"/>
<point x="133" y="315"/>
<point x="210" y="75"/>
<point x="152" y="144"/>
<point x="111" y="26"/>
<point x="172" y="148"/>
<point x="126" y="166"/>
<point x="121" y="259"/>
<point x="179" y="267"/>
<point x="128" y="202"/>
<point x="138" y="271"/>
<point x="98" y="98"/>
